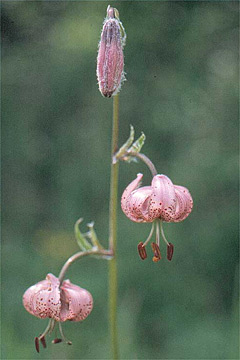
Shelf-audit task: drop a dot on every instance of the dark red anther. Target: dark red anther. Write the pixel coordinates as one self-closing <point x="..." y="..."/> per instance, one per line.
<point x="37" y="343"/>
<point x="42" y="339"/>
<point x="156" y="251"/>
<point x="142" y="251"/>
<point x="56" y="341"/>
<point x="170" y="251"/>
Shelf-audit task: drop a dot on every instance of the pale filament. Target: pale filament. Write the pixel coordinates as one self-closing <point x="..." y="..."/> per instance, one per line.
<point x="62" y="334"/>
<point x="162" y="232"/>
<point x="49" y="328"/>
<point x="149" y="236"/>
<point x="157" y="233"/>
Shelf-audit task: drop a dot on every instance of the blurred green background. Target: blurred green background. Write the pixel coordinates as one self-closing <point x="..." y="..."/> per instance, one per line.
<point x="181" y="60"/>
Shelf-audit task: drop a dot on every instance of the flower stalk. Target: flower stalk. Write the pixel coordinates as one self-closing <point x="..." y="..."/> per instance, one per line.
<point x="146" y="160"/>
<point x="113" y="287"/>
<point x="80" y="254"/>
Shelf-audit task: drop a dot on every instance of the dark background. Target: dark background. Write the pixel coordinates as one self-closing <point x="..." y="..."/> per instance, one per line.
<point x="181" y="60"/>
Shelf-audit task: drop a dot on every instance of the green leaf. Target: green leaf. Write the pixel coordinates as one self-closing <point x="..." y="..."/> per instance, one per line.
<point x="138" y="144"/>
<point x="123" y="34"/>
<point x="123" y="149"/>
<point x="93" y="236"/>
<point x="81" y="240"/>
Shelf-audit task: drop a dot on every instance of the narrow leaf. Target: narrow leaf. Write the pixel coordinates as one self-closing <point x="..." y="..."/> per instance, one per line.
<point x="123" y="149"/>
<point x="138" y="144"/>
<point x="81" y="240"/>
<point x="93" y="236"/>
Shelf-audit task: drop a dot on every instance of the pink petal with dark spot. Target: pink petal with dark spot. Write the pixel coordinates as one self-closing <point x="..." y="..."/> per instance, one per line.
<point x="77" y="303"/>
<point x="184" y="203"/>
<point x="163" y="201"/>
<point x="43" y="299"/>
<point x="138" y="204"/>
<point x="125" y="200"/>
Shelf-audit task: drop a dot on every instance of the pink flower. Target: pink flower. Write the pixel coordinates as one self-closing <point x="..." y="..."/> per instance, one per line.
<point x="162" y="201"/>
<point x="66" y="302"/>
<point x="49" y="299"/>
<point x="110" y="60"/>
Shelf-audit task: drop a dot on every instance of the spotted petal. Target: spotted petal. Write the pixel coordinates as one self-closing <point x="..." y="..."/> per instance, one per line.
<point x="43" y="299"/>
<point x="127" y="193"/>
<point x="138" y="204"/>
<point x="184" y="203"/>
<point x="163" y="200"/>
<point x="77" y="303"/>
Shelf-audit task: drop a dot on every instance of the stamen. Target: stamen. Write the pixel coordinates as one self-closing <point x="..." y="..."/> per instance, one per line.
<point x="142" y="251"/>
<point x="42" y="339"/>
<point x="162" y="232"/>
<point x="49" y="329"/>
<point x="52" y="325"/>
<point x="170" y="251"/>
<point x="56" y="341"/>
<point x="157" y="234"/>
<point x="37" y="343"/>
<point x="149" y="236"/>
<point x="156" y="251"/>
<point x="63" y="336"/>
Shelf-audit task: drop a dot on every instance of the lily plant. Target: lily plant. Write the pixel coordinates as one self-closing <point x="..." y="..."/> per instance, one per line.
<point x="162" y="201"/>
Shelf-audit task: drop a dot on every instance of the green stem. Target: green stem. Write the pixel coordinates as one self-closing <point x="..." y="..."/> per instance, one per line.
<point x="80" y="254"/>
<point x="113" y="234"/>
<point x="146" y="160"/>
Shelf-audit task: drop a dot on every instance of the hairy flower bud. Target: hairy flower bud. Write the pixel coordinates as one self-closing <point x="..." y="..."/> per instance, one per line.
<point x="110" y="60"/>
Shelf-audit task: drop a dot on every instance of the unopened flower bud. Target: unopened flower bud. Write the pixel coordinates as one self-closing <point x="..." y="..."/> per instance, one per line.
<point x="110" y="60"/>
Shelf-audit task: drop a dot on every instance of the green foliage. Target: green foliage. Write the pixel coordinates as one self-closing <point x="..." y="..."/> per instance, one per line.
<point x="181" y="63"/>
<point x="81" y="238"/>
<point x="130" y="147"/>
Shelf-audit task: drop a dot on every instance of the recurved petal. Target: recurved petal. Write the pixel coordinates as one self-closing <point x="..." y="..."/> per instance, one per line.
<point x="77" y="303"/>
<point x="163" y="199"/>
<point x="138" y="204"/>
<point x="127" y="192"/>
<point x="184" y="203"/>
<point x="43" y="299"/>
<point x="31" y="292"/>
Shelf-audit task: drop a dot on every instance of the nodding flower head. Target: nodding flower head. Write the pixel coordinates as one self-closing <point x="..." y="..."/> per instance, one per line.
<point x="162" y="201"/>
<point x="59" y="302"/>
<point x="110" y="60"/>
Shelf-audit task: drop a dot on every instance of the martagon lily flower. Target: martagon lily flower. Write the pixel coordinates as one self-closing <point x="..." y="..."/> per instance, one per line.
<point x="162" y="201"/>
<point x="59" y="302"/>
